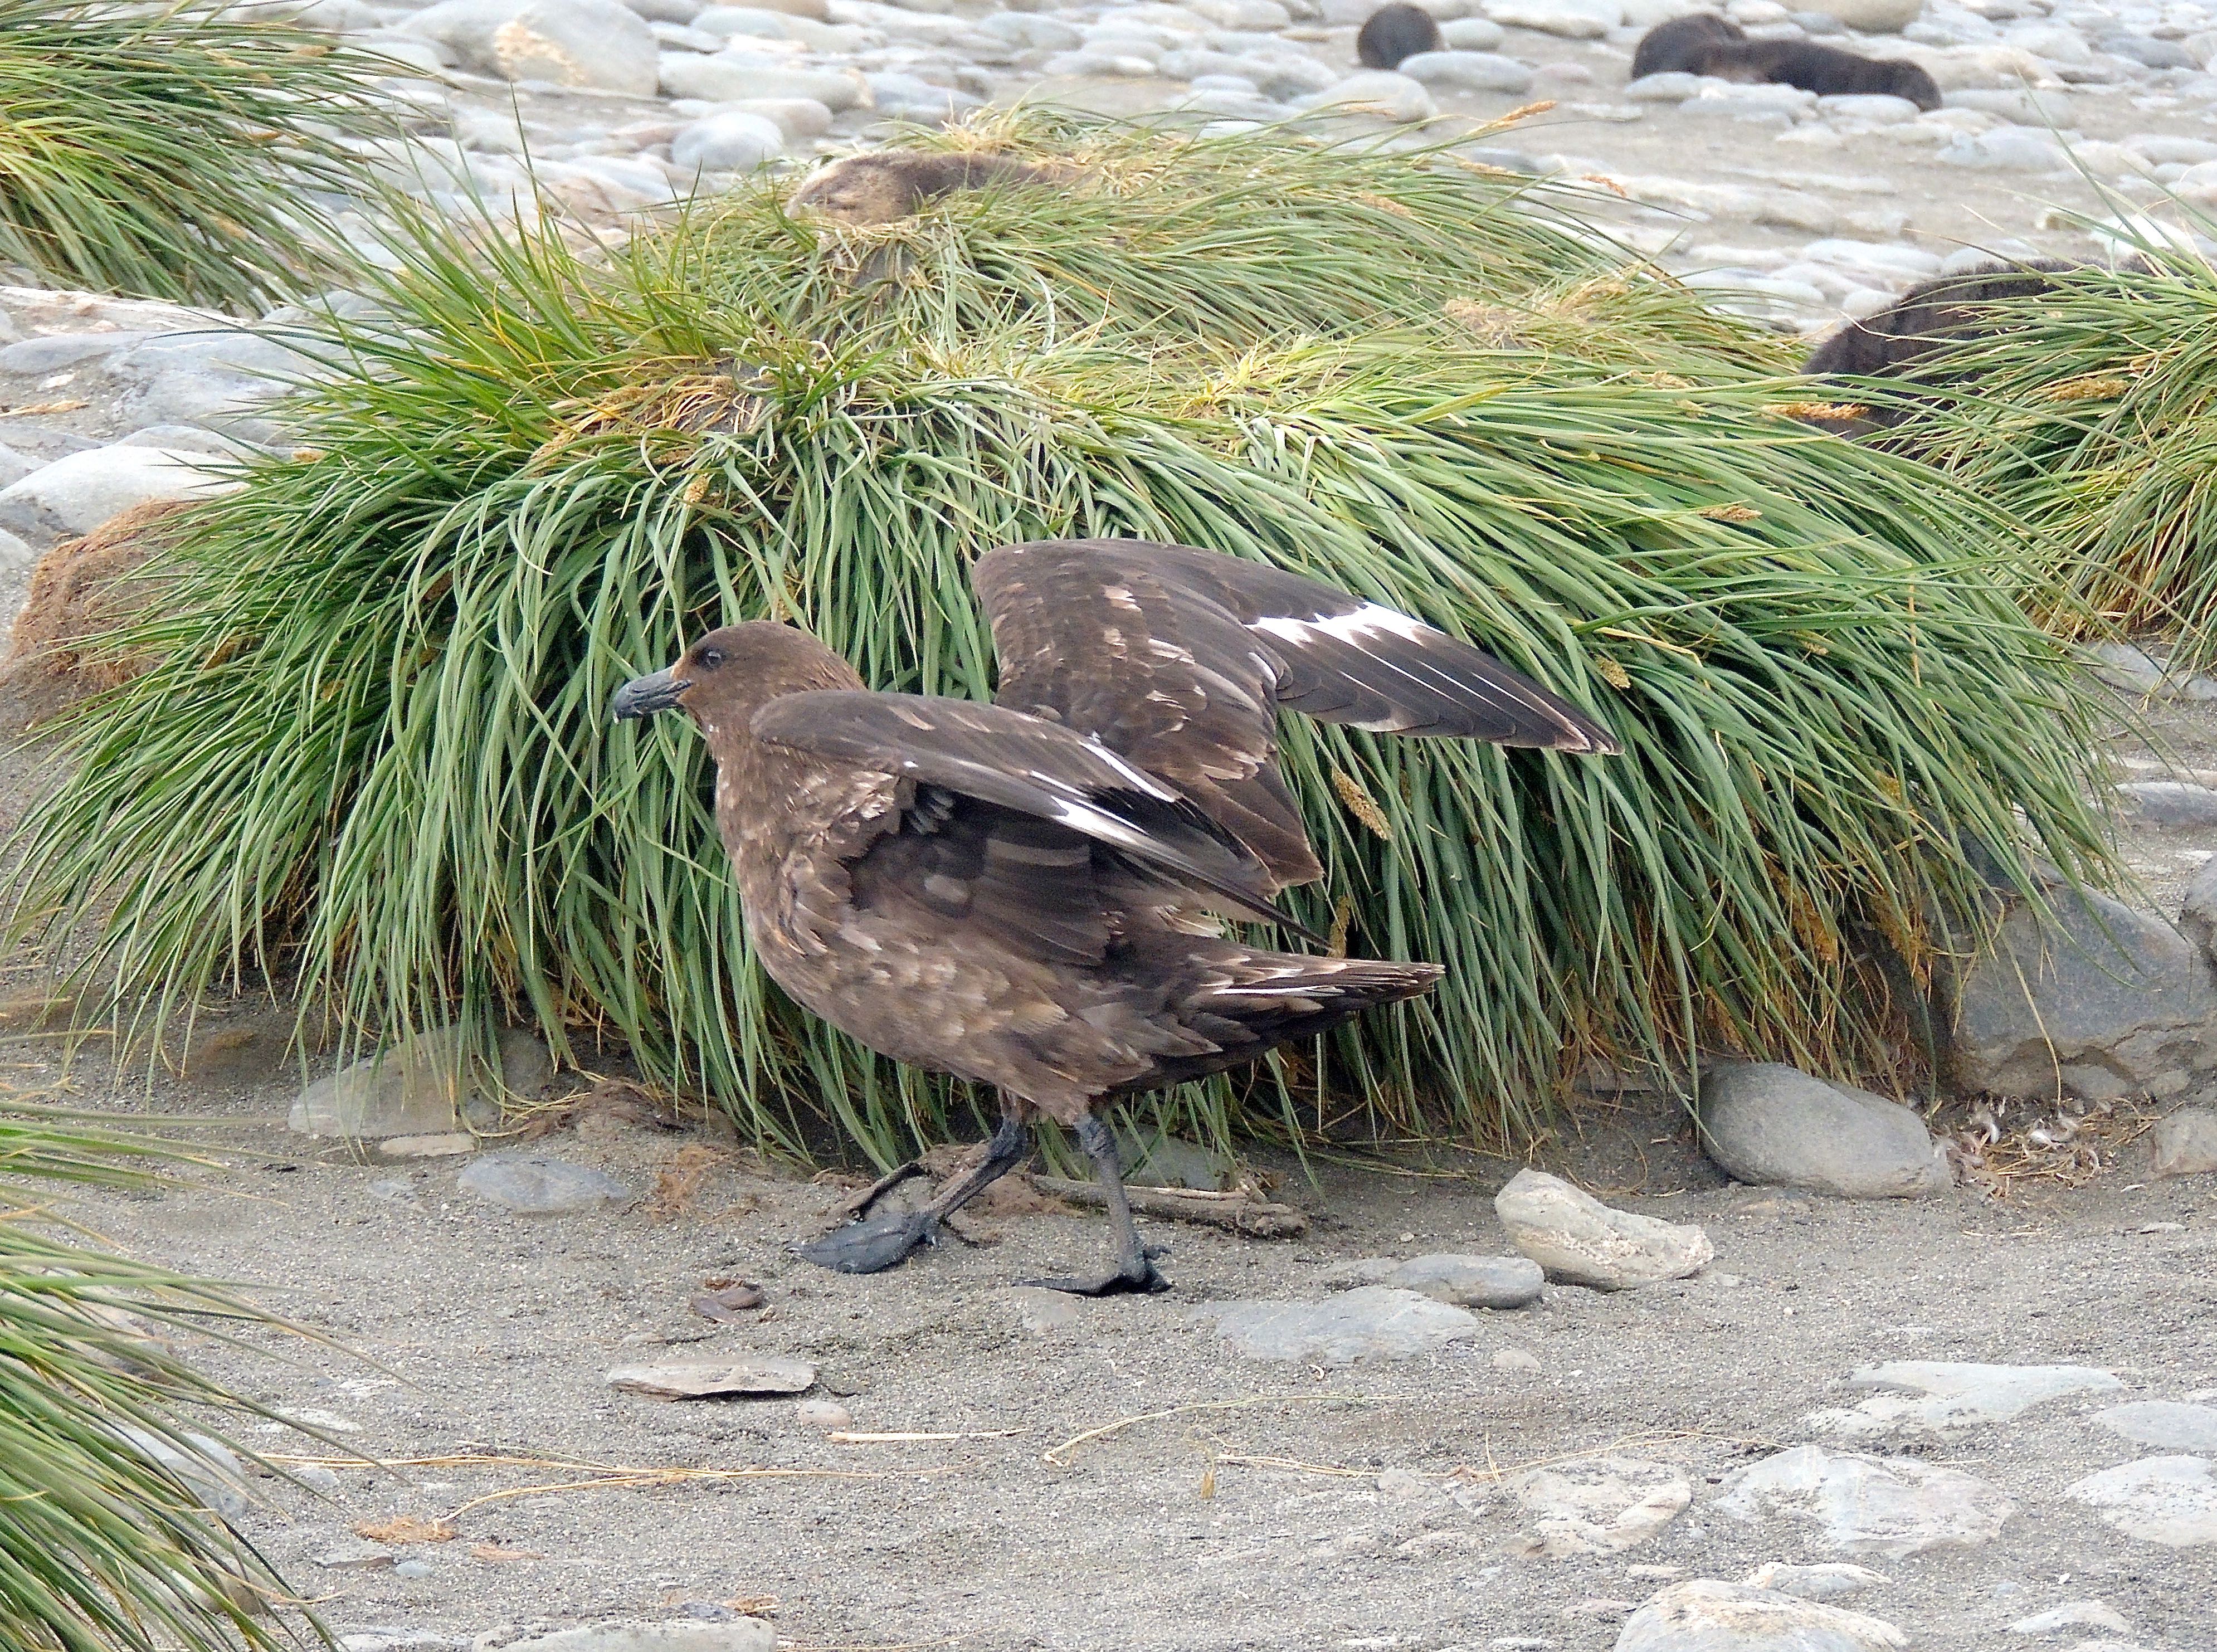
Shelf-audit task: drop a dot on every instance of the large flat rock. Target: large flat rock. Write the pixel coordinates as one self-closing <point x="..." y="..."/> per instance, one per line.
<point x="2171" y="1500"/>
<point x="1369" y="1322"/>
<point x="1938" y="1397"/>
<point x="1863" y="1505"/>
<point x="2099" y="1000"/>
<point x="1705" y="1615"/>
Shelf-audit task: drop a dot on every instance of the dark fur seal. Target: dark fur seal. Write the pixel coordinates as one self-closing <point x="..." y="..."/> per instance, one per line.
<point x="1679" y="46"/>
<point x="1394" y="33"/>
<point x="887" y="187"/>
<point x="1703" y="45"/>
<point x="1930" y="314"/>
<point x="1918" y="325"/>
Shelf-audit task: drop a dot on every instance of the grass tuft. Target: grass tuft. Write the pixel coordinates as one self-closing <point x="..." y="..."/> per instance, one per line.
<point x="104" y="1548"/>
<point x="2091" y="411"/>
<point x="376" y="758"/>
<point x="169" y="153"/>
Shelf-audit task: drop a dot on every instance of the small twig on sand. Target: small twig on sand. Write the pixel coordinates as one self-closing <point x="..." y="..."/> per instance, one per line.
<point x="845" y="1437"/>
<point x="648" y="1478"/>
<point x="1240" y="1211"/>
<point x="597" y="1477"/>
<point x="1293" y="1465"/>
<point x="1493" y="1472"/>
<point x="1058" y="1456"/>
<point x="864" y="1196"/>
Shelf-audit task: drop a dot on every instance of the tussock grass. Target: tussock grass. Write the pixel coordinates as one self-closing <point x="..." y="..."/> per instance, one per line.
<point x="377" y="757"/>
<point x="2092" y="412"/>
<point x="102" y="1548"/>
<point x="163" y="151"/>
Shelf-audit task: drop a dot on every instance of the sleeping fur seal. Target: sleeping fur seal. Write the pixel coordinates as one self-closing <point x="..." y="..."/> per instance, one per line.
<point x="1701" y="44"/>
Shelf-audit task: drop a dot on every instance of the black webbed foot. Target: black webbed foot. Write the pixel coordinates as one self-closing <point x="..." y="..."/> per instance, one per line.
<point x="1143" y="1280"/>
<point x="866" y="1201"/>
<point x="873" y="1245"/>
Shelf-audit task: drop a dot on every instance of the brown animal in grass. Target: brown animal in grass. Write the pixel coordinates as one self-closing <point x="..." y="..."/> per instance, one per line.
<point x="1900" y="340"/>
<point x="1393" y="34"/>
<point x="1701" y="44"/>
<point x="1005" y="891"/>
<point x="893" y="184"/>
<point x="80" y="590"/>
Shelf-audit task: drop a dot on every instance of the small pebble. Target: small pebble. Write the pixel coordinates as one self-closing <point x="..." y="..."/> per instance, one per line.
<point x="822" y="1414"/>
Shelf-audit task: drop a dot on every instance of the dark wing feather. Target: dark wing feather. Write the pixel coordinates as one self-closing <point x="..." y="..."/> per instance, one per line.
<point x="1178" y="657"/>
<point x="1036" y="768"/>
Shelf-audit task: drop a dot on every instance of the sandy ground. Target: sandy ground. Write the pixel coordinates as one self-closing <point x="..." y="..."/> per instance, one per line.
<point x="1253" y="1513"/>
<point x="492" y="1333"/>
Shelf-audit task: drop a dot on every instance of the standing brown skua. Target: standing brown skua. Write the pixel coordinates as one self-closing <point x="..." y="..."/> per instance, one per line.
<point x="1009" y="892"/>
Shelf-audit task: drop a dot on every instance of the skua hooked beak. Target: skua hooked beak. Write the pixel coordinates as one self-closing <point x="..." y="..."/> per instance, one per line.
<point x="645" y="696"/>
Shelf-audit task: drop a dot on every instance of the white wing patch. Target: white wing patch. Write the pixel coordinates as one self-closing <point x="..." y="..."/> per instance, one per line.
<point x="1371" y="620"/>
<point x="1140" y="779"/>
<point x="1082" y="816"/>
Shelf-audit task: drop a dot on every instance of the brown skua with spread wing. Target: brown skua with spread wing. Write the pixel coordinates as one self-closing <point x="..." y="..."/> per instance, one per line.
<point x="1008" y="893"/>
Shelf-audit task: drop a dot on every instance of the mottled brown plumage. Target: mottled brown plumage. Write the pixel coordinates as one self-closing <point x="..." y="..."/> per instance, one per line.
<point x="1007" y="892"/>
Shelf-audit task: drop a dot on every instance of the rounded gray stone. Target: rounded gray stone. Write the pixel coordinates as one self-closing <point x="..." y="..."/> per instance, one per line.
<point x="1705" y="1615"/>
<point x="2171" y="1425"/>
<point x="1370" y="1322"/>
<point x="206" y="1466"/>
<point x="1775" y="1126"/>
<point x="1378" y="92"/>
<point x="76" y="494"/>
<point x="1873" y="16"/>
<point x="1671" y="86"/>
<point x="2184" y="1144"/>
<point x="2076" y="1614"/>
<point x="2198" y="917"/>
<point x="55" y="351"/>
<point x="1821" y="1582"/>
<point x="589" y="43"/>
<point x="538" y="1184"/>
<point x="1867" y="1504"/>
<point x="1499" y="1282"/>
<point x="2093" y="984"/>
<point x="1876" y="110"/>
<point x="1468" y="71"/>
<point x="1575" y="1237"/>
<point x="729" y="77"/>
<point x="727" y="142"/>
<point x="2171" y="1500"/>
<point x="1472" y="33"/>
<point x="2168" y="802"/>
